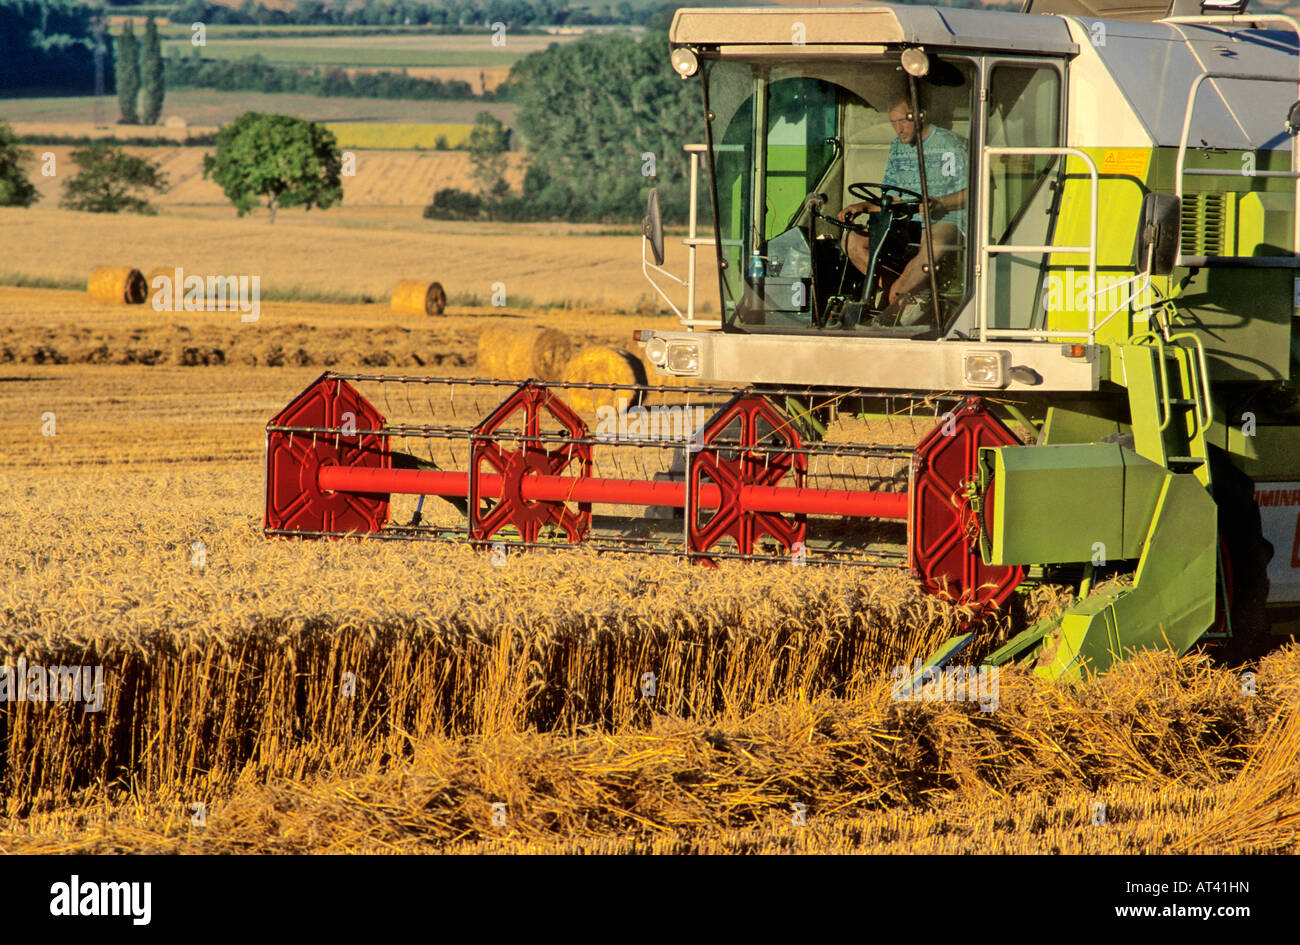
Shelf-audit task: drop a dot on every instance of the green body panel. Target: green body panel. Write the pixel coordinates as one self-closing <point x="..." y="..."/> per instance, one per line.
<point x="1169" y="605"/>
<point x="1143" y="481"/>
<point x="1049" y="504"/>
<point x="1142" y="382"/>
<point x="1242" y="316"/>
<point x="788" y="173"/>
<point x="1082" y="422"/>
<point x="1171" y="602"/>
<point x="1065" y="504"/>
<point x="1271" y="452"/>
<point x="1122" y="176"/>
<point x="1092" y="502"/>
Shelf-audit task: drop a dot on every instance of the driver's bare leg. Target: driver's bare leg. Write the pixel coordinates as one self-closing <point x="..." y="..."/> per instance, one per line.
<point x="946" y="239"/>
<point x="858" y="248"/>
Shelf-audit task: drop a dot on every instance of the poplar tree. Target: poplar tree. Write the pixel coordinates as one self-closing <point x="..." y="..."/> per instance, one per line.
<point x="151" y="69"/>
<point x="128" y="75"/>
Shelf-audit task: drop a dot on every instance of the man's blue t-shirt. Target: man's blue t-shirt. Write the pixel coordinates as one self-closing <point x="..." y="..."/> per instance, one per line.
<point x="946" y="156"/>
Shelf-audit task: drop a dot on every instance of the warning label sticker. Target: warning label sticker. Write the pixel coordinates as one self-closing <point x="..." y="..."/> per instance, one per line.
<point x="1130" y="161"/>
<point x="1279" y="513"/>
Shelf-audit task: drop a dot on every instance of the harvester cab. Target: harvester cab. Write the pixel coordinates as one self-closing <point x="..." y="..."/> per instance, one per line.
<point x="1082" y="214"/>
<point x="1002" y="298"/>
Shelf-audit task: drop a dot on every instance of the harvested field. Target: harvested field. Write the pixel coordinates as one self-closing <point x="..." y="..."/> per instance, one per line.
<point x="349" y="255"/>
<point x="382" y="697"/>
<point x="52" y="327"/>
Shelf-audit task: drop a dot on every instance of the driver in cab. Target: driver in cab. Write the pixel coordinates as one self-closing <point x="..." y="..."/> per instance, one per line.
<point x="945" y="177"/>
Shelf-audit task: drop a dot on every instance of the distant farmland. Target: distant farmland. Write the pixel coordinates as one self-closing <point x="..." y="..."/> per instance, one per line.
<point x="421" y="137"/>
<point x="381" y="52"/>
<point x="210" y="107"/>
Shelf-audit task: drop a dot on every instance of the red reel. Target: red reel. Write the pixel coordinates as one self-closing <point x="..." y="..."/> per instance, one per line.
<point x="745" y="423"/>
<point x="942" y="528"/>
<point x="294" y="500"/>
<point x="537" y="412"/>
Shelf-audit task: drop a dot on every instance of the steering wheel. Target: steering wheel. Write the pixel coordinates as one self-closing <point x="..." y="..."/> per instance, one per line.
<point x="863" y="191"/>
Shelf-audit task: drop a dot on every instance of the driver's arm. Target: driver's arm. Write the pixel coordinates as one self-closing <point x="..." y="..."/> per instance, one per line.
<point x="939" y="206"/>
<point x="953" y="201"/>
<point x="854" y="209"/>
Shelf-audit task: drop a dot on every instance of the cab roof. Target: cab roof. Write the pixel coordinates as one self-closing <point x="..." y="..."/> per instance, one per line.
<point x="876" y="24"/>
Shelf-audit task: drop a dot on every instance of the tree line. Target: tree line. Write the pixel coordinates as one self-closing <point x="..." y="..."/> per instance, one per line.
<point x="255" y="74"/>
<point x="49" y="46"/>
<point x="450" y="14"/>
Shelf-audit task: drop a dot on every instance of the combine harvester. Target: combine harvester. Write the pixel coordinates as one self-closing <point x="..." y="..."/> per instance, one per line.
<point x="1094" y="379"/>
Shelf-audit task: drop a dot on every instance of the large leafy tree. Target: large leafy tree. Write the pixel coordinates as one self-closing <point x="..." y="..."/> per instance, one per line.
<point x="109" y="180"/>
<point x="15" y="189"/>
<point x="128" y="75"/>
<point x="591" y="111"/>
<point x="276" y="160"/>
<point x="151" y="67"/>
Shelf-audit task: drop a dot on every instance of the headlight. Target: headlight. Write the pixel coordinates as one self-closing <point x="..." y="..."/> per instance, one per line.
<point x="986" y="368"/>
<point x="684" y="358"/>
<point x="656" y="350"/>
<point x="685" y="62"/>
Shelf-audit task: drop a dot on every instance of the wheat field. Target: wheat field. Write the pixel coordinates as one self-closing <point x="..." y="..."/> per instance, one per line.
<point x="391" y="697"/>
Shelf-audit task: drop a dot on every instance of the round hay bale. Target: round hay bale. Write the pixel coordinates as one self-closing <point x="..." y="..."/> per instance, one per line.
<point x="118" y="285"/>
<point x="523" y="353"/>
<point x="416" y="297"/>
<point x="603" y="366"/>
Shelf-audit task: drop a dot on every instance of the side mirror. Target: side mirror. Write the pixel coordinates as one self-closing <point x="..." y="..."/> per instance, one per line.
<point x="1157" y="234"/>
<point x="652" y="227"/>
<point x="1293" y="120"/>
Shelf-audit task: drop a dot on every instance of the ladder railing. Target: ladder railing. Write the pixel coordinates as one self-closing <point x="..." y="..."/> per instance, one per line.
<point x="1176" y="435"/>
<point x="1198" y="369"/>
<point x="989" y="250"/>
